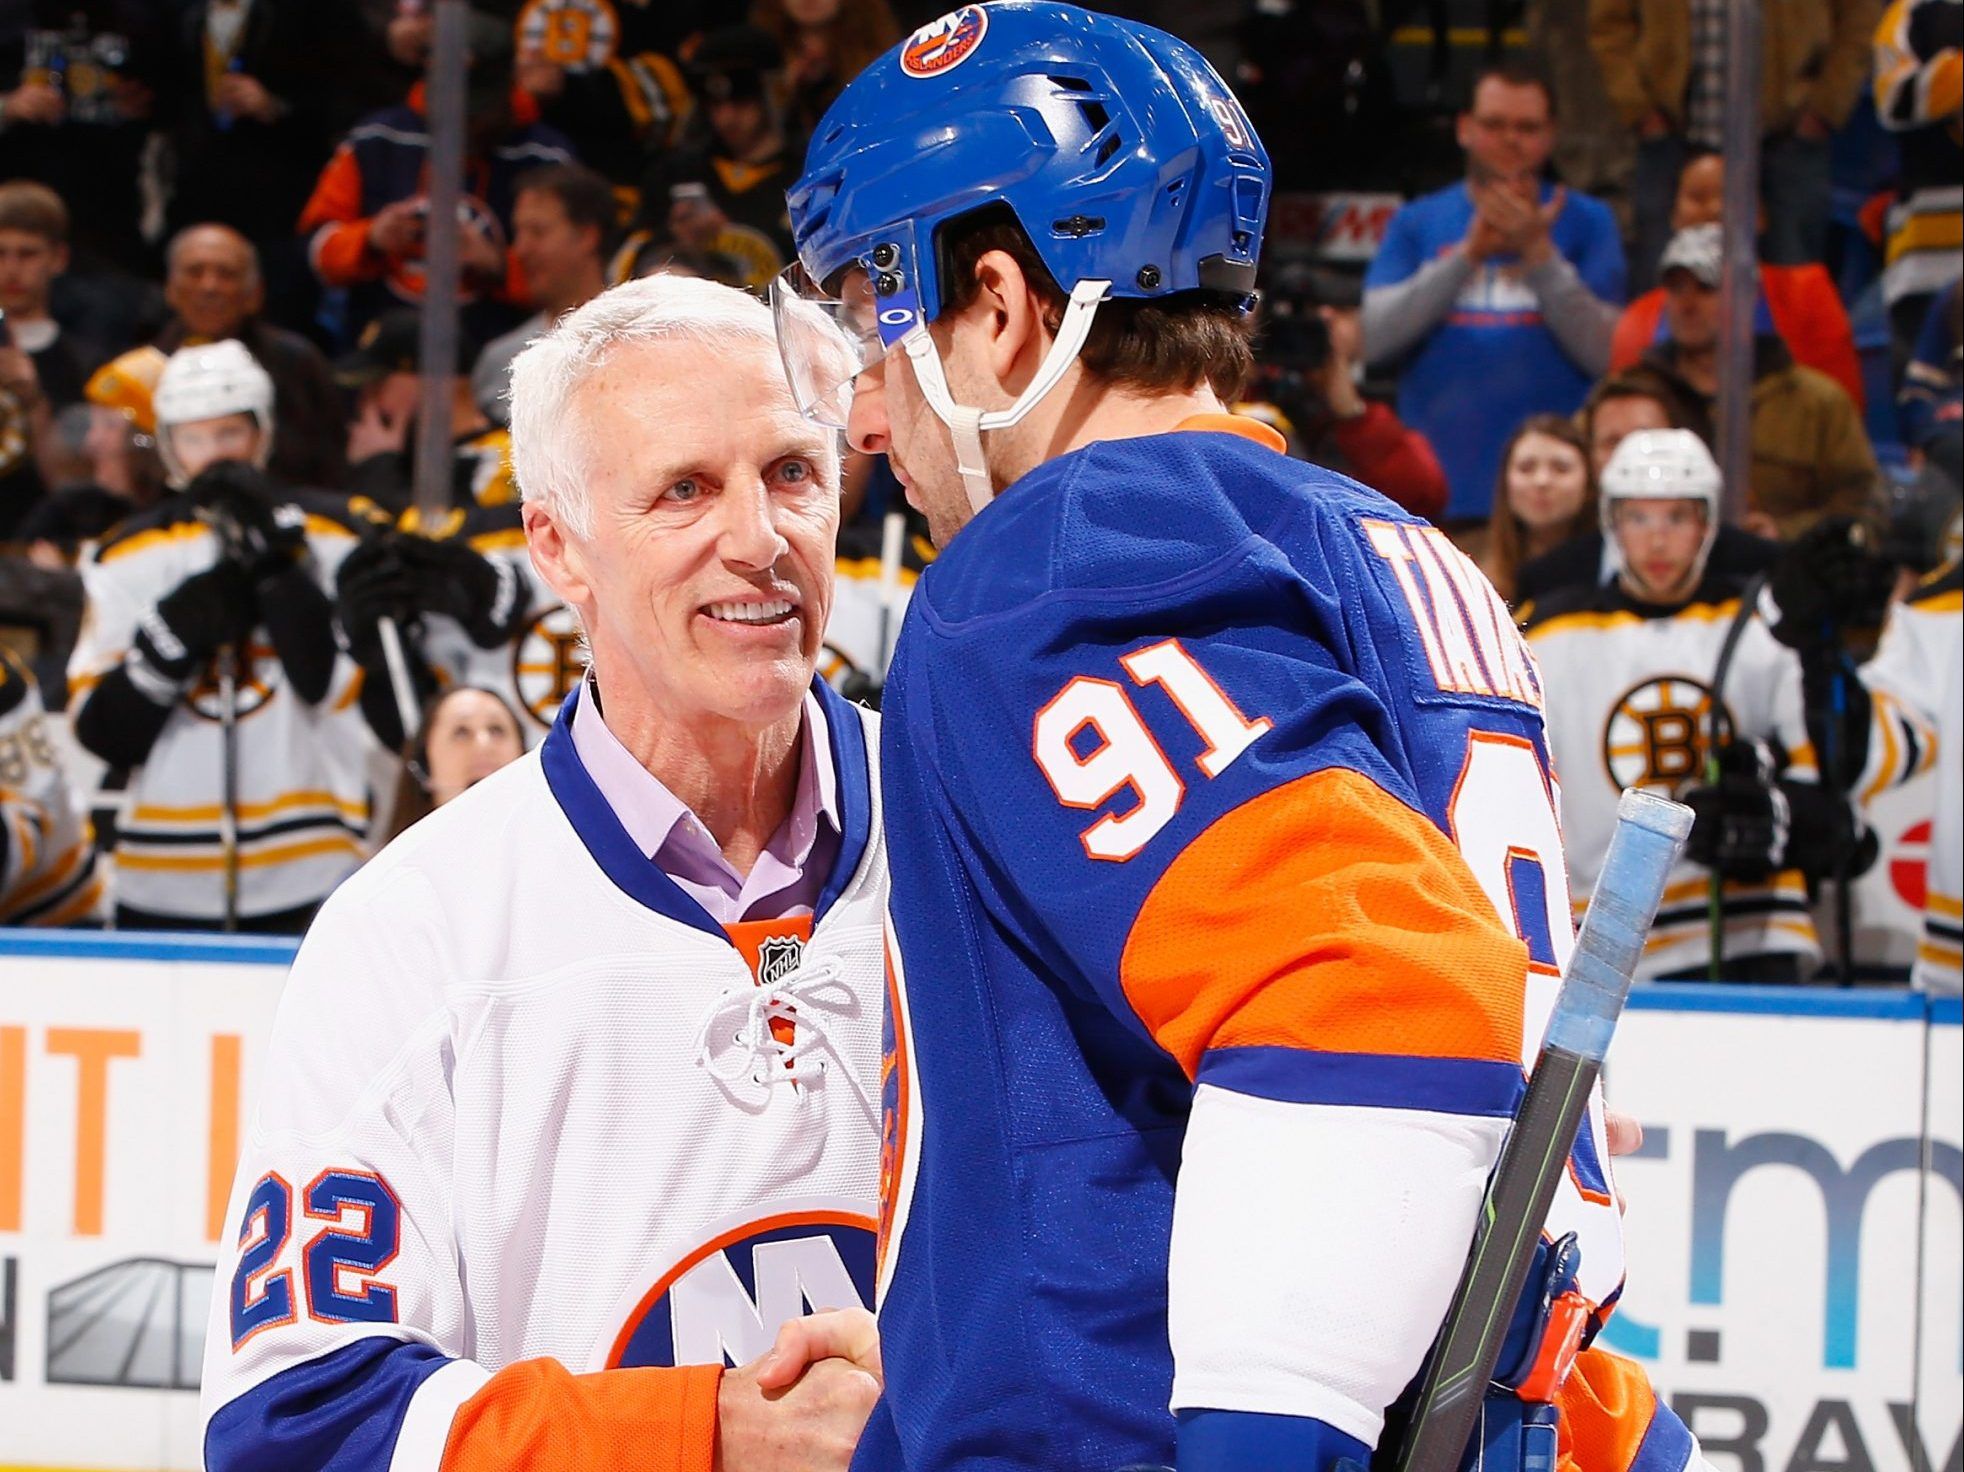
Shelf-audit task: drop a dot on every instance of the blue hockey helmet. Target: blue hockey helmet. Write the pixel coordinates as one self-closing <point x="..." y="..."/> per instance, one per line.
<point x="1123" y="156"/>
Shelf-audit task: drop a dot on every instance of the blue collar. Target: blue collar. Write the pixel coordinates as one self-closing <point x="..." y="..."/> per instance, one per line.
<point x="640" y="879"/>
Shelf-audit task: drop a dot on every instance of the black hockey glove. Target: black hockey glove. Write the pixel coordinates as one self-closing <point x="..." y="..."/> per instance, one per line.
<point x="246" y="508"/>
<point x="486" y="596"/>
<point x="175" y="638"/>
<point x="1739" y="823"/>
<point x="1828" y="580"/>
<point x="374" y="583"/>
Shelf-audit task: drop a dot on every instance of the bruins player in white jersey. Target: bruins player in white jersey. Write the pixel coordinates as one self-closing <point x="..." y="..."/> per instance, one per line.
<point x="47" y="854"/>
<point x="207" y="664"/>
<point x="1628" y="668"/>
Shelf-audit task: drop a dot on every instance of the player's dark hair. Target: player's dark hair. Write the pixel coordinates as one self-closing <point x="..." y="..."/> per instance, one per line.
<point x="585" y="196"/>
<point x="33" y="209"/>
<point x="1513" y="72"/>
<point x="1630" y="384"/>
<point x="1507" y="539"/>
<point x="1176" y="342"/>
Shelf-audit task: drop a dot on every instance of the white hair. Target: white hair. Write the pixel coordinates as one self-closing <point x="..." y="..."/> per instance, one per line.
<point x="549" y="450"/>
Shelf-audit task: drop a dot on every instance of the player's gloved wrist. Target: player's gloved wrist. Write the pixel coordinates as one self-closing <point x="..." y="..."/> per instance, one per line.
<point x="481" y="593"/>
<point x="174" y="638"/>
<point x="1827" y="580"/>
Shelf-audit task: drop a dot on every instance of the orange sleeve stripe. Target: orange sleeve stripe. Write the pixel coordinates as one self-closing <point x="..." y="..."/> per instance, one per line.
<point x="1325" y="915"/>
<point x="337" y="194"/>
<point x="536" y="1416"/>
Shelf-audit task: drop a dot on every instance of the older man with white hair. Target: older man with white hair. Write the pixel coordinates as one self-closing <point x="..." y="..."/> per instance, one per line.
<point x="569" y="1101"/>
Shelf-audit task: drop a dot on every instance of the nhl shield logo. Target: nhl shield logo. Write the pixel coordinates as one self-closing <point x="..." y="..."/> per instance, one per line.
<point x="778" y="957"/>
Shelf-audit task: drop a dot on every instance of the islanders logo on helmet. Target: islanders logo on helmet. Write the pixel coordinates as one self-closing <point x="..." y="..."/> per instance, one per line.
<point x="942" y="45"/>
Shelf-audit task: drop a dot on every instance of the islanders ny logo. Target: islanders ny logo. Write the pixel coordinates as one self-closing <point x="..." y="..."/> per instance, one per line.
<point x="723" y="1302"/>
<point x="942" y="45"/>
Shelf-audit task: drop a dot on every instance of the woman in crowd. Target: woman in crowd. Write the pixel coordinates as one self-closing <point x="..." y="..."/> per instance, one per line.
<point x="467" y="734"/>
<point x="826" y="44"/>
<point x="1547" y="494"/>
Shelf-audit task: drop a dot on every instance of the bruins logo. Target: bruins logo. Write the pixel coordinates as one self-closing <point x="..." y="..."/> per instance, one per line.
<point x="1656" y="733"/>
<point x="547" y="662"/>
<point x="579" y="35"/>
<point x="259" y="676"/>
<point x="752" y="252"/>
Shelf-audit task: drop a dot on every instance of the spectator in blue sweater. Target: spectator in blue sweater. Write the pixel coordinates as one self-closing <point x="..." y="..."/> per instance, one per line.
<point x="1496" y="297"/>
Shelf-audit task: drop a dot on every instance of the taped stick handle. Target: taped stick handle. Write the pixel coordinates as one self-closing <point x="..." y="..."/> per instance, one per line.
<point x="1650" y="833"/>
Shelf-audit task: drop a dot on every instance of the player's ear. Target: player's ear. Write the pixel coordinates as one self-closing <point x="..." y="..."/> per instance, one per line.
<point x="1011" y="319"/>
<point x="558" y="557"/>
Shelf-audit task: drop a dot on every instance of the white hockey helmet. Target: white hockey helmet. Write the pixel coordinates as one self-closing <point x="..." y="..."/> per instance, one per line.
<point x="209" y="382"/>
<point x="1661" y="465"/>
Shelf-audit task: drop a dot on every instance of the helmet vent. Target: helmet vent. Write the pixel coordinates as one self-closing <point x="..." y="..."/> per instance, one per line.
<point x="1106" y="149"/>
<point x="1096" y="116"/>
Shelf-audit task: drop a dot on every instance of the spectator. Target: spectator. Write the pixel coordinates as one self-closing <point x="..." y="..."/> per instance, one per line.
<point x="214" y="289"/>
<point x="42" y="370"/>
<point x="1663" y="62"/>
<point x="366" y="219"/>
<point x="826" y="43"/>
<point x="612" y="88"/>
<point x="468" y="733"/>
<point x="214" y="598"/>
<point x="563" y="220"/>
<point x="251" y="124"/>
<point x="1617" y="408"/>
<point x="1308" y="368"/>
<point x="1919" y="94"/>
<point x="78" y="87"/>
<point x="383" y="371"/>
<point x="726" y="194"/>
<point x="1495" y="294"/>
<point x="1798" y="302"/>
<point x="1546" y="495"/>
<point x="1810" y="453"/>
<point x="1931" y="402"/>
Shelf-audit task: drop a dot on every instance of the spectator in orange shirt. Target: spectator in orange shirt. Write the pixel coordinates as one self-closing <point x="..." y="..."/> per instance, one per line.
<point x="1805" y="308"/>
<point x="368" y="216"/>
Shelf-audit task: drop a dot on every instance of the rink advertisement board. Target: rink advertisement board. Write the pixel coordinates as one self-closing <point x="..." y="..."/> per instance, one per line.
<point x="125" y="1064"/>
<point x="1795" y="1224"/>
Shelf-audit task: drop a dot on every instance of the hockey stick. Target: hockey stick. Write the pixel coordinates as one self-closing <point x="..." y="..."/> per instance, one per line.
<point x="1715" y="718"/>
<point x="228" y="805"/>
<point x="893" y="542"/>
<point x="408" y="709"/>
<point x="1650" y="832"/>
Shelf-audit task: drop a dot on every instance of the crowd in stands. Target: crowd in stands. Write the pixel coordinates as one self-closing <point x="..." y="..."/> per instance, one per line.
<point x="176" y="174"/>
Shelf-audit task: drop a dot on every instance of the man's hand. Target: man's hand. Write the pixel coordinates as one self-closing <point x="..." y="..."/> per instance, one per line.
<point x="246" y="97"/>
<point x="375" y="432"/>
<point x="840" y="1333"/>
<point x="34" y="102"/>
<point x="1517" y="217"/>
<point x="1339" y="380"/>
<point x="813" y="1423"/>
<point x="397" y="229"/>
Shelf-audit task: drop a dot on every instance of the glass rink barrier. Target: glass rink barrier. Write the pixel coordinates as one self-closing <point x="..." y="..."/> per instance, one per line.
<point x="1795" y="1214"/>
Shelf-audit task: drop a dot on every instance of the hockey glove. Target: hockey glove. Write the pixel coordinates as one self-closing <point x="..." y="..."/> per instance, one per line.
<point x="1741" y="822"/>
<point x="483" y="594"/>
<point x="1828" y="580"/>
<point x="175" y="638"/>
<point x="374" y="583"/>
<point x="246" y="509"/>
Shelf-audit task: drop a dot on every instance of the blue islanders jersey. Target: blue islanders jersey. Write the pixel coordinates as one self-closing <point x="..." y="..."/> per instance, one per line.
<point x="1227" y="902"/>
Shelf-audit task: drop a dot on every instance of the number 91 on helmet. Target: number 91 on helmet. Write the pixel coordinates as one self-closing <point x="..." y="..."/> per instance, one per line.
<point x="1124" y="158"/>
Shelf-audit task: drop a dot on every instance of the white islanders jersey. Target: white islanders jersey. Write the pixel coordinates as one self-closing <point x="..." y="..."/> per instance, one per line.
<point x="513" y="1137"/>
<point x="1628" y="691"/>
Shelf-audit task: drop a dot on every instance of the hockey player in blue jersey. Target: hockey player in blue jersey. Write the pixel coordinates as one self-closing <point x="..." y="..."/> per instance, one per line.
<point x="1227" y="892"/>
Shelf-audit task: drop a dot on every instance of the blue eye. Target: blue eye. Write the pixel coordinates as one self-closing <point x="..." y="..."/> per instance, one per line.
<point x="795" y="470"/>
<point x="683" y="490"/>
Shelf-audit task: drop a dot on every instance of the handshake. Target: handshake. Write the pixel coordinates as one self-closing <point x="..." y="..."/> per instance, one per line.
<point x="802" y="1405"/>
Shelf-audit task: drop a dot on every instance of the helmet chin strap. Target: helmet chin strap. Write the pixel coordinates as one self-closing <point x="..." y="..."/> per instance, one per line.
<point x="965" y="424"/>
